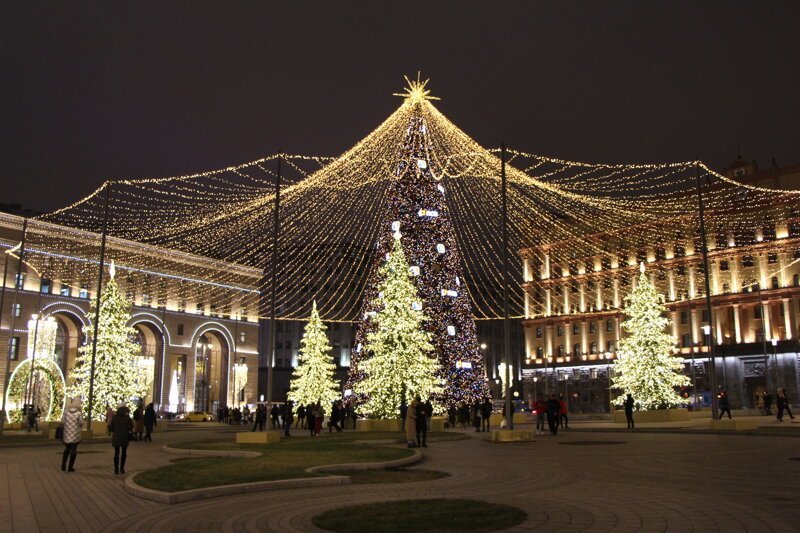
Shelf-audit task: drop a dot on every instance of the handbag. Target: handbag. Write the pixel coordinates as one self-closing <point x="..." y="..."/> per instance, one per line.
<point x="60" y="433"/>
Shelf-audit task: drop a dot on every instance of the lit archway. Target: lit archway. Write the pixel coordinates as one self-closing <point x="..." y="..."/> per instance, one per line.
<point x="212" y="347"/>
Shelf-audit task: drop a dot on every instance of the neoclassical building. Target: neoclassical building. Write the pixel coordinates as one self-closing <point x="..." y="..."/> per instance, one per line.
<point x="190" y="350"/>
<point x="573" y="311"/>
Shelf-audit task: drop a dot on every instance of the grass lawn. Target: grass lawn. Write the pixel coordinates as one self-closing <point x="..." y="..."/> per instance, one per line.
<point x="438" y="515"/>
<point x="285" y="460"/>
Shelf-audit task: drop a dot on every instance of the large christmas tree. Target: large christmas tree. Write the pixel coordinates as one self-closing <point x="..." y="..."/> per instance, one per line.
<point x="401" y="363"/>
<point x="313" y="380"/>
<point x="646" y="368"/>
<point x="117" y="375"/>
<point x="417" y="208"/>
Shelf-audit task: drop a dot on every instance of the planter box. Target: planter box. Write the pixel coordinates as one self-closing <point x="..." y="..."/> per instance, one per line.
<point x="658" y="415"/>
<point x="258" y="437"/>
<point x="369" y="424"/>
<point x="437" y="423"/>
<point x="519" y="418"/>
<point x="511" y="435"/>
<point x="734" y="424"/>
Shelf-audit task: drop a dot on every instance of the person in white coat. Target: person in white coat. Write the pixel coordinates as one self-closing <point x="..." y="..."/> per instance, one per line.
<point x="71" y="424"/>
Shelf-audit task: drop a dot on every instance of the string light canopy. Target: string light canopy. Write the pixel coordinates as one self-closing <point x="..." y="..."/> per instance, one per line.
<point x="588" y="221"/>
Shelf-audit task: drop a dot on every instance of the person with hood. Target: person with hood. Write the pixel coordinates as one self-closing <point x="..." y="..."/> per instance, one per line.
<point x="149" y="422"/>
<point x="121" y="427"/>
<point x="71" y="425"/>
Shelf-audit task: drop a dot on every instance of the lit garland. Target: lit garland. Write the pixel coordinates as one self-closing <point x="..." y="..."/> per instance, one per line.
<point x="562" y="213"/>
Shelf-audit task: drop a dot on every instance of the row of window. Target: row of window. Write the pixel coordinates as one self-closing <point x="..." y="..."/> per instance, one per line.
<point x="746" y="261"/>
<point x="576" y="349"/>
<point x="576" y="328"/>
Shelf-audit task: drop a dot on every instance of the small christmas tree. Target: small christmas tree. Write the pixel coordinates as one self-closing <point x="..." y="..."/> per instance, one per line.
<point x="313" y="380"/>
<point x="117" y="376"/>
<point x="400" y="361"/>
<point x="646" y="368"/>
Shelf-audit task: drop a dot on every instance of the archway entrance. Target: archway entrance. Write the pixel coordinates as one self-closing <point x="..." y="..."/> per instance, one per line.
<point x="211" y="372"/>
<point x="151" y="340"/>
<point x="69" y="337"/>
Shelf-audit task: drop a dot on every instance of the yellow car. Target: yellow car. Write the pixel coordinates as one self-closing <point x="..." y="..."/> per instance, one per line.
<point x="198" y="416"/>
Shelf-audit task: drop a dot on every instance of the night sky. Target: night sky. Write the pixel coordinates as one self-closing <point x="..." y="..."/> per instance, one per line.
<point x="96" y="91"/>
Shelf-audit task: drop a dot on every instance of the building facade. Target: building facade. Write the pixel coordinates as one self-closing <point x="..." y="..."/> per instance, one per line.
<point x="573" y="312"/>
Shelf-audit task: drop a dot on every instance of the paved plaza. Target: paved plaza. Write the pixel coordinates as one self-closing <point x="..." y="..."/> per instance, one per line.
<point x="579" y="481"/>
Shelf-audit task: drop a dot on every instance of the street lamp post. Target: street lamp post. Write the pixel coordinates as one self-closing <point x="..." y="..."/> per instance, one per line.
<point x="707" y="280"/>
<point x="774" y="343"/>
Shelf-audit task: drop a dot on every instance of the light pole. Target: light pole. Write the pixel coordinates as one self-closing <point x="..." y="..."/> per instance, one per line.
<point x="707" y="282"/>
<point x="774" y="342"/>
<point x="712" y="381"/>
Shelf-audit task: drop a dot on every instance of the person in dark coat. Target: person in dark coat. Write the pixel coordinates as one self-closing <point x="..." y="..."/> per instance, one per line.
<point x="724" y="404"/>
<point x="121" y="427"/>
<point x="275" y="412"/>
<point x="301" y="417"/>
<point x="486" y="413"/>
<point x="783" y="405"/>
<point x="628" y="404"/>
<point x="336" y="414"/>
<point x="553" y="413"/>
<point x="403" y="412"/>
<point x="311" y="418"/>
<point x="421" y="426"/>
<point x="149" y="422"/>
<point x="261" y="417"/>
<point x="768" y="403"/>
<point x="288" y="416"/>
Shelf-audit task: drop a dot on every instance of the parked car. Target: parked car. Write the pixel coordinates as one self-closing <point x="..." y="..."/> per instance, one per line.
<point x="198" y="416"/>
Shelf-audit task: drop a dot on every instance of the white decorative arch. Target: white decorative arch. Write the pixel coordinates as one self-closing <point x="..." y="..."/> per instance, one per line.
<point x="67" y="308"/>
<point x="166" y="339"/>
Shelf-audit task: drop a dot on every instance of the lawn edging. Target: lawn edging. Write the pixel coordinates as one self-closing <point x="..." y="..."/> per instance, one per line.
<point x="171" y="498"/>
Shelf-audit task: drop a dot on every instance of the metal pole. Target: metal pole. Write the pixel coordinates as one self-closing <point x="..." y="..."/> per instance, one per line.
<point x="100" y="273"/>
<point x="274" y="282"/>
<point x="3" y="306"/>
<point x="711" y="343"/>
<point x="17" y="279"/>
<point x="764" y="335"/>
<point x="506" y="281"/>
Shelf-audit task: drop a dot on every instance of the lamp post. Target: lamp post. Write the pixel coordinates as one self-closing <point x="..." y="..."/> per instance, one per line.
<point x="707" y="281"/>
<point x="774" y="343"/>
<point x="712" y="369"/>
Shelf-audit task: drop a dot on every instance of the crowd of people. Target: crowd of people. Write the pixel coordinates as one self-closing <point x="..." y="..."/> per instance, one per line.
<point x="764" y="403"/>
<point x="554" y="411"/>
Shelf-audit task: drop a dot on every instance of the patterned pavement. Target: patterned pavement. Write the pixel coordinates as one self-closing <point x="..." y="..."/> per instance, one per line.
<point x="644" y="482"/>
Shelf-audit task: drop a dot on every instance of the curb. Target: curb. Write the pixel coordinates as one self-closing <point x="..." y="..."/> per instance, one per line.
<point x="172" y="498"/>
<point x="207" y="453"/>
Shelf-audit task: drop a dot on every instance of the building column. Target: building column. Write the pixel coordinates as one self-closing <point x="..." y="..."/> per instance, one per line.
<point x="548" y="296"/>
<point x="616" y="293"/>
<point x="692" y="285"/>
<point x="766" y="323"/>
<point x="526" y="270"/>
<point x="582" y="296"/>
<point x="671" y="281"/>
<point x="787" y="318"/>
<point x="718" y="325"/>
<point x="694" y="323"/>
<point x="737" y="326"/>
<point x="674" y="317"/>
<point x="584" y="337"/>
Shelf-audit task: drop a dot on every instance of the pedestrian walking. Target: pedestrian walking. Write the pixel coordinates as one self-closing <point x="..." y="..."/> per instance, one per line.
<point x="783" y="405"/>
<point x="540" y="408"/>
<point x="311" y="416"/>
<point x="138" y="422"/>
<point x="150" y="422"/>
<point x="724" y="404"/>
<point x="428" y="414"/>
<point x="421" y="425"/>
<point x="628" y="404"/>
<point x="463" y="415"/>
<point x="319" y="417"/>
<point x="301" y="417"/>
<point x="275" y="415"/>
<point x="109" y="416"/>
<point x="476" y="416"/>
<point x="486" y="414"/>
<point x="403" y="413"/>
<point x="260" y="418"/>
<point x="411" y="425"/>
<point x="768" y="403"/>
<point x="336" y="414"/>
<point x="564" y="420"/>
<point x="288" y="417"/>
<point x="553" y="407"/>
<point x="121" y="427"/>
<point x="71" y="424"/>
